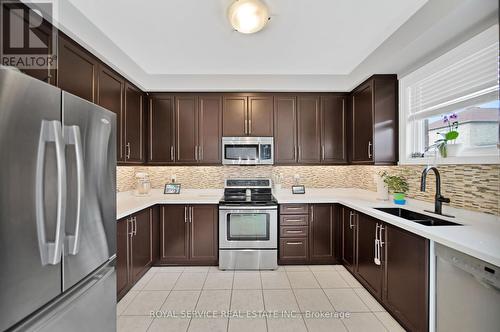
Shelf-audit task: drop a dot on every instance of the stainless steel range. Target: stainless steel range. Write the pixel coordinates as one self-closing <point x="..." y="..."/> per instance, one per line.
<point x="248" y="226"/>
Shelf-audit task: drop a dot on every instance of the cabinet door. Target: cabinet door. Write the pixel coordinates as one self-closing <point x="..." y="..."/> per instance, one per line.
<point x="260" y="116"/>
<point x="122" y="256"/>
<point x="333" y="130"/>
<point x="406" y="277"/>
<point x="321" y="233"/>
<point x="308" y="129"/>
<point x="348" y="230"/>
<point x="161" y="129"/>
<point x="204" y="236"/>
<point x="134" y="125"/>
<point x="186" y="129"/>
<point x="362" y="124"/>
<point x="76" y="71"/>
<point x="235" y="116"/>
<point x="110" y="89"/>
<point x="174" y="241"/>
<point x="369" y="273"/>
<point x="210" y="129"/>
<point x="142" y="253"/>
<point x="285" y="130"/>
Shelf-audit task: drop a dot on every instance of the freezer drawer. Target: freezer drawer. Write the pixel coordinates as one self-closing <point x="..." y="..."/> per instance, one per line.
<point x="89" y="306"/>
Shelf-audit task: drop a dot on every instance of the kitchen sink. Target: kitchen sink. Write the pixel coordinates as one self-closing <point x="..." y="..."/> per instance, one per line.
<point x="419" y="218"/>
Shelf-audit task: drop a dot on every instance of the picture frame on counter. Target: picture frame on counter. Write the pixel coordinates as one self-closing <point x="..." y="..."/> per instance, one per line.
<point x="172" y="188"/>
<point x="298" y="190"/>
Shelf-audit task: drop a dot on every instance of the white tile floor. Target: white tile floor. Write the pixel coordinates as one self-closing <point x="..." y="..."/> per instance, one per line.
<point x="298" y="289"/>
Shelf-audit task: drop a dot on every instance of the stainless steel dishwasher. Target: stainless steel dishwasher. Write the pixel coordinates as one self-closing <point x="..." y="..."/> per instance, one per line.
<point x="467" y="292"/>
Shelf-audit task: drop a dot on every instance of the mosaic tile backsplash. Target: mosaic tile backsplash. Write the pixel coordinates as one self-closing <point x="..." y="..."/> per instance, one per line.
<point x="471" y="187"/>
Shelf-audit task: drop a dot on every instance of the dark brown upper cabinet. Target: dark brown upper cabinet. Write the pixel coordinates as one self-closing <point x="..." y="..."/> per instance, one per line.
<point x="333" y="130"/>
<point x="186" y="129"/>
<point x="308" y="129"/>
<point x="161" y="129"/>
<point x="110" y="91"/>
<point x="322" y="233"/>
<point x="246" y="115"/>
<point x="374" y="121"/>
<point x="285" y="129"/>
<point x="77" y="69"/>
<point x="210" y="129"/>
<point x="134" y="125"/>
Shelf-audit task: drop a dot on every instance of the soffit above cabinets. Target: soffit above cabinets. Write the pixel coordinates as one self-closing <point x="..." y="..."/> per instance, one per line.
<point x="187" y="45"/>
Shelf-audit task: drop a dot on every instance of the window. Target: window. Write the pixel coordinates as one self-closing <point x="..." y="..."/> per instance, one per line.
<point x="462" y="85"/>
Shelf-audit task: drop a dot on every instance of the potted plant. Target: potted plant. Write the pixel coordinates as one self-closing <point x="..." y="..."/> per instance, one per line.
<point x="398" y="186"/>
<point x="447" y="145"/>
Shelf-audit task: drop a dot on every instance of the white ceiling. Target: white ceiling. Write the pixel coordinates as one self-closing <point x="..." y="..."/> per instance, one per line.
<point x="193" y="37"/>
<point x="309" y="45"/>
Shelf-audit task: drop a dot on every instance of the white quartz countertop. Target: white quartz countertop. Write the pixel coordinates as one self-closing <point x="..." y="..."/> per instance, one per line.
<point x="479" y="236"/>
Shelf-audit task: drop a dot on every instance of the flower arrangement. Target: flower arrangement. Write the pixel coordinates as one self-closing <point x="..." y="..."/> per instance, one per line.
<point x="397" y="185"/>
<point x="449" y="136"/>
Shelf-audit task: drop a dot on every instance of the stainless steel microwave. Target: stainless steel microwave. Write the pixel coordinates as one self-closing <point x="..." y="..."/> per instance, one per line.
<point x="247" y="150"/>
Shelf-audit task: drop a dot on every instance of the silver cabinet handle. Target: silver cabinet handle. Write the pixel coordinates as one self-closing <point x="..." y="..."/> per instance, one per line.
<point x="190" y="214"/>
<point x="172" y="153"/>
<point x="322" y="152"/>
<point x="135" y="226"/>
<point x="185" y="214"/>
<point x="380" y="230"/>
<point x="294" y="243"/>
<point x="293" y="232"/>
<point x="294" y="220"/>
<point x="312" y="213"/>
<point x="351" y="214"/>
<point x="129" y="222"/>
<point x="298" y="151"/>
<point x="294" y="208"/>
<point x="196" y="152"/>
<point x="294" y="152"/>
<point x="250" y="127"/>
<point x="50" y="252"/>
<point x="201" y="152"/>
<point x="72" y="136"/>
<point x="376" y="258"/>
<point x="127" y="154"/>
<point x="369" y="150"/>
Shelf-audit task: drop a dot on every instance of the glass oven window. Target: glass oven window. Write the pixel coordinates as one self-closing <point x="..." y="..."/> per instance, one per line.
<point x="248" y="227"/>
<point x="241" y="152"/>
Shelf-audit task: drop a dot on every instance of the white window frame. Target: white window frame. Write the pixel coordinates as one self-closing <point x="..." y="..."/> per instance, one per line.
<point x="469" y="47"/>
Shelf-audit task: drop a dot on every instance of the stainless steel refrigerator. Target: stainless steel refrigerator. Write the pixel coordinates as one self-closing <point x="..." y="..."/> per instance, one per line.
<point x="57" y="209"/>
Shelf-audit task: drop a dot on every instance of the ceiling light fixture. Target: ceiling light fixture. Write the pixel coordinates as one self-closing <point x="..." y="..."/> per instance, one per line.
<point x="248" y="16"/>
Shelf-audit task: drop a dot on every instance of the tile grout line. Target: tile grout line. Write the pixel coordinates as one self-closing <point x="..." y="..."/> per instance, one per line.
<point x="197" y="300"/>
<point x="297" y="301"/>
<point x="263" y="302"/>
<point x="345" y="326"/>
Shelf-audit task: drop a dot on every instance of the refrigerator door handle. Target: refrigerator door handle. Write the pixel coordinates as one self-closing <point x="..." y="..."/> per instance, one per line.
<point x="50" y="252"/>
<point x="72" y="136"/>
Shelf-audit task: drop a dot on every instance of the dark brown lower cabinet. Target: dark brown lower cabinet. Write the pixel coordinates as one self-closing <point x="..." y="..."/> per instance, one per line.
<point x="189" y="234"/>
<point x="400" y="282"/>
<point x="134" y="253"/>
<point x="307" y="234"/>
<point x="407" y="277"/>
<point x="322" y="234"/>
<point x="348" y="238"/>
<point x="368" y="271"/>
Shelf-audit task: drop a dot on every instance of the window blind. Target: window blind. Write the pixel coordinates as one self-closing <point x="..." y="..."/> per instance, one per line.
<point x="465" y="82"/>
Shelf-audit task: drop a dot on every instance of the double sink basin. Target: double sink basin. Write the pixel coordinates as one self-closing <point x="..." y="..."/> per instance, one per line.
<point x="418" y="218"/>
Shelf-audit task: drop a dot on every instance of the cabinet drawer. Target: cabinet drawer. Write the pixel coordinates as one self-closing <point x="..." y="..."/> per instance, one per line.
<point x="293" y="231"/>
<point x="294" y="249"/>
<point x="294" y="220"/>
<point x="294" y="209"/>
